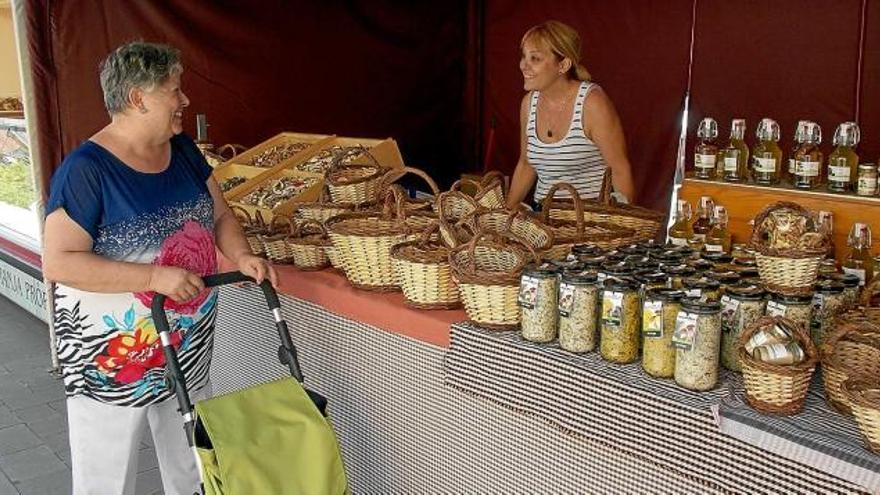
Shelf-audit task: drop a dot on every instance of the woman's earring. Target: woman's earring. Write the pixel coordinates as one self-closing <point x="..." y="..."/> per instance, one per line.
<point x="143" y="109"/>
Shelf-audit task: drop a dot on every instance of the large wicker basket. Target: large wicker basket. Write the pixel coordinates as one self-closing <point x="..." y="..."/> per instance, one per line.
<point x="355" y="184"/>
<point x="453" y="207"/>
<point x="307" y="243"/>
<point x="489" y="191"/>
<point x="774" y="388"/>
<point x="522" y="225"/>
<point x="864" y="395"/>
<point x="789" y="270"/>
<point x="487" y="270"/>
<point x="423" y="272"/>
<point x="395" y="174"/>
<point x="852" y="350"/>
<point x="275" y="240"/>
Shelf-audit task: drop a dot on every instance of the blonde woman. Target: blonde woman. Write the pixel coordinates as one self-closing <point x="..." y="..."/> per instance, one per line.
<point x="570" y="131"/>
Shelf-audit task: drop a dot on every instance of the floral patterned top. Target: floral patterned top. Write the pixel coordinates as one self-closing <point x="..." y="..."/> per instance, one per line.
<point x="107" y="343"/>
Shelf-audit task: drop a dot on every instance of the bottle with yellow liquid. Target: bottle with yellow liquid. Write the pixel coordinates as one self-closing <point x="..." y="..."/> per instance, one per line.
<point x="718" y="238"/>
<point x="681" y="231"/>
<point x="735" y="156"/>
<point x="825" y="226"/>
<point x="703" y="224"/>
<point x="766" y="155"/>
<point x="706" y="151"/>
<point x="859" y="261"/>
<point x="843" y="162"/>
<point x="808" y="158"/>
<point x="788" y="176"/>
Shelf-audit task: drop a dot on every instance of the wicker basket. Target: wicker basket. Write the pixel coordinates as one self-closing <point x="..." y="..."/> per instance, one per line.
<point x="423" y="272"/>
<point x="567" y="233"/>
<point x="307" y="243"/>
<point x="852" y="350"/>
<point x="355" y="184"/>
<point x="487" y="271"/>
<point x="254" y="228"/>
<point x="788" y="270"/>
<point x="490" y="191"/>
<point x="645" y="222"/>
<point x="867" y="298"/>
<point x="396" y="174"/>
<point x="362" y="243"/>
<point x="522" y="225"/>
<point x="864" y="395"/>
<point x="320" y="210"/>
<point x="275" y="241"/>
<point x="453" y="207"/>
<point x="774" y="388"/>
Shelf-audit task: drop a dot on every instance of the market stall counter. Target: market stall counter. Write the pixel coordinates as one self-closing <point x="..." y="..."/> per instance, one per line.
<point x="487" y="413"/>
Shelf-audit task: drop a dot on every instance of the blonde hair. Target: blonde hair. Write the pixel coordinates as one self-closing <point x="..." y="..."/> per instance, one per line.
<point x="564" y="41"/>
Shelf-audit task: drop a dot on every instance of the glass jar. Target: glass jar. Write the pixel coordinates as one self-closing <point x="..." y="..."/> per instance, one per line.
<point x="538" y="289"/>
<point x="718" y="258"/>
<point x="567" y="264"/>
<point x="641" y="262"/>
<point x="702" y="288"/>
<point x="740" y="307"/>
<point x="633" y="250"/>
<point x="592" y="262"/>
<point x="578" y="311"/>
<point x="828" y="302"/>
<point x="740" y="251"/>
<point x="727" y="279"/>
<point x="659" y="313"/>
<point x="650" y="280"/>
<point x="796" y="308"/>
<point x="697" y="342"/>
<point x="652" y="246"/>
<point x="668" y="258"/>
<point x="621" y="321"/>
<point x="614" y="256"/>
<point x="850" y="287"/>
<point x="677" y="274"/>
<point x="616" y="270"/>
<point x="701" y="265"/>
<point x="867" y="181"/>
<point x="585" y="250"/>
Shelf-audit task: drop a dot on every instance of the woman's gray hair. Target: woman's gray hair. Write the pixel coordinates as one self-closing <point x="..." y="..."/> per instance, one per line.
<point x="136" y="65"/>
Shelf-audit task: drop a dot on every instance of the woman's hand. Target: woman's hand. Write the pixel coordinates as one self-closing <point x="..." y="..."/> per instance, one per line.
<point x="257" y="268"/>
<point x="178" y="284"/>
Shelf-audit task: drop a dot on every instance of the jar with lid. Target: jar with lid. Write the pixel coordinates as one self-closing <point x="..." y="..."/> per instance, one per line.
<point x="740" y="307"/>
<point x="740" y="251"/>
<point x="867" y="182"/>
<point x="727" y="279"/>
<point x="717" y="257"/>
<point x="700" y="265"/>
<point x="652" y="246"/>
<point x="735" y="156"/>
<point x="766" y="154"/>
<point x="621" y="321"/>
<point x="659" y="314"/>
<point x="697" y="342"/>
<point x="642" y="262"/>
<point x="614" y="256"/>
<point x="578" y="311"/>
<point x="850" y="287"/>
<point x="668" y="258"/>
<point x="538" y="290"/>
<point x="843" y="162"/>
<point x="808" y="158"/>
<point x="633" y="250"/>
<point x="593" y="262"/>
<point x="677" y="274"/>
<point x="585" y="250"/>
<point x="650" y="280"/>
<point x="796" y="308"/>
<point x="828" y="303"/>
<point x="706" y="151"/>
<point x="618" y="270"/>
<point x="702" y="288"/>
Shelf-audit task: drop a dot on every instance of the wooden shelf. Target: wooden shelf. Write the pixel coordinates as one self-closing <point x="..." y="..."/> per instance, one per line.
<point x="744" y="201"/>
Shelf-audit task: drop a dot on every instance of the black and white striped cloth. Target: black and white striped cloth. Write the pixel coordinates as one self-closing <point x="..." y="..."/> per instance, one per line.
<point x="574" y="159"/>
<point x="620" y="406"/>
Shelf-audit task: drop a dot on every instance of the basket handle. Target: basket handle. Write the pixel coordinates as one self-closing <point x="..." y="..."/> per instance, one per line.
<point x="298" y="231"/>
<point x="456" y="186"/>
<point x="845" y="328"/>
<point x="425" y="236"/>
<point x="607" y="186"/>
<point x="490" y="178"/>
<point x="242" y="215"/>
<point x="274" y="224"/>
<point x="236" y="149"/>
<point x="395" y="174"/>
<point x="394" y="204"/>
<point x="800" y="332"/>
<point x="259" y="221"/>
<point x="576" y="199"/>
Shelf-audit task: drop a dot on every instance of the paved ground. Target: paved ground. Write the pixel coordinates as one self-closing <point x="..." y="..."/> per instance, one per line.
<point x="34" y="452"/>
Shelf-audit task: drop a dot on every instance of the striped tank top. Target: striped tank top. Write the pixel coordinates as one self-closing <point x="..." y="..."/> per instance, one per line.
<point x="575" y="159"/>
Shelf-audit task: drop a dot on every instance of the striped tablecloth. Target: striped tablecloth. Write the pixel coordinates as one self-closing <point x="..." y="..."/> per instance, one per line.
<point x="818" y="436"/>
<point x="622" y="407"/>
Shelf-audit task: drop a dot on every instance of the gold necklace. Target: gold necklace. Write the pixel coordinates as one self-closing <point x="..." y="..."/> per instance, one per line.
<point x="554" y="111"/>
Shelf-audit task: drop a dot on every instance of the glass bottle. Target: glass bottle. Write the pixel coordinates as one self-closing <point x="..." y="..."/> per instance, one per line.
<point x="703" y="223"/>
<point x="867" y="181"/>
<point x="718" y="238"/>
<point x="859" y="261"/>
<point x="808" y="158"/>
<point x="825" y="226"/>
<point x="681" y="231"/>
<point x="735" y="156"/>
<point x="706" y="151"/>
<point x="766" y="155"/>
<point x="798" y="140"/>
<point x="843" y="162"/>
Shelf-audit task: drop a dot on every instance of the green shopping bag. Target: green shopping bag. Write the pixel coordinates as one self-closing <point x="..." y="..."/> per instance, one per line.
<point x="267" y="440"/>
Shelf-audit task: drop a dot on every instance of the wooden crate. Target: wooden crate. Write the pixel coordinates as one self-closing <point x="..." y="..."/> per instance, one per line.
<point x="385" y="151"/>
<point x="314" y="140"/>
<point x="228" y="170"/>
<point x="745" y="201"/>
<point x="310" y="194"/>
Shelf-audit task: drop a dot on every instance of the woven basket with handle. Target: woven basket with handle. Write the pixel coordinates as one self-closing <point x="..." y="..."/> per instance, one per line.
<point x="422" y="269"/>
<point x="453" y="207"/>
<point x="489" y="191"/>
<point x="275" y="240"/>
<point x="395" y="174"/>
<point x="307" y="244"/>
<point x="852" y="350"/>
<point x="777" y="388"/>
<point x="355" y="184"/>
<point x="864" y="395"/>
<point x="254" y="228"/>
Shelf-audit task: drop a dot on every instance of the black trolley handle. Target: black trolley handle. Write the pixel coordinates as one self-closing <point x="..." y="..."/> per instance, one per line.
<point x="286" y="352"/>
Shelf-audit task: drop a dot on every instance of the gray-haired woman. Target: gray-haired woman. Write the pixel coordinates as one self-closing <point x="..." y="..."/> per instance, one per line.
<point x="131" y="212"/>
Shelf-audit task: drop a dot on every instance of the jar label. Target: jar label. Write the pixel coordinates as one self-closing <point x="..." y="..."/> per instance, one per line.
<point x="838" y="174"/>
<point x="775" y="308"/>
<point x="652" y="319"/>
<point x="528" y="292"/>
<point x="730" y="164"/>
<point x="704" y="161"/>
<point x="693" y="293"/>
<point x="791" y="166"/>
<point x="566" y="299"/>
<point x="766" y="165"/>
<point x="612" y="308"/>
<point x="699" y="238"/>
<point x="715" y="248"/>
<point x="867" y="186"/>
<point x="857" y="272"/>
<point x="685" y="331"/>
<point x="729" y="307"/>
<point x="806" y="168"/>
<point x="678" y="241"/>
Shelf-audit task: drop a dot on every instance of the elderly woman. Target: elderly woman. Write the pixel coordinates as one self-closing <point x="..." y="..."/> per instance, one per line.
<point x="131" y="212"/>
<point x="570" y="131"/>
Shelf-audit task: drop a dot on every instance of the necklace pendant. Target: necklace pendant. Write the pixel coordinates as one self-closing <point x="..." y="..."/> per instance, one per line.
<point x="549" y="133"/>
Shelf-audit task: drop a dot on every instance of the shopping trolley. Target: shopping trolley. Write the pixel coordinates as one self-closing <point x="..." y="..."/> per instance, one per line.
<point x="273" y="438"/>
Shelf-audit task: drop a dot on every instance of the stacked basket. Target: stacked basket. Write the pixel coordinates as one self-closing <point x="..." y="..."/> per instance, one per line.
<point x="488" y="192"/>
<point x="355" y="184"/>
<point x="864" y="395"/>
<point x="852" y="350"/>
<point x="453" y="207"/>
<point x="254" y="228"/>
<point x="275" y="240"/>
<point x="423" y="272"/>
<point x="307" y="243"/>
